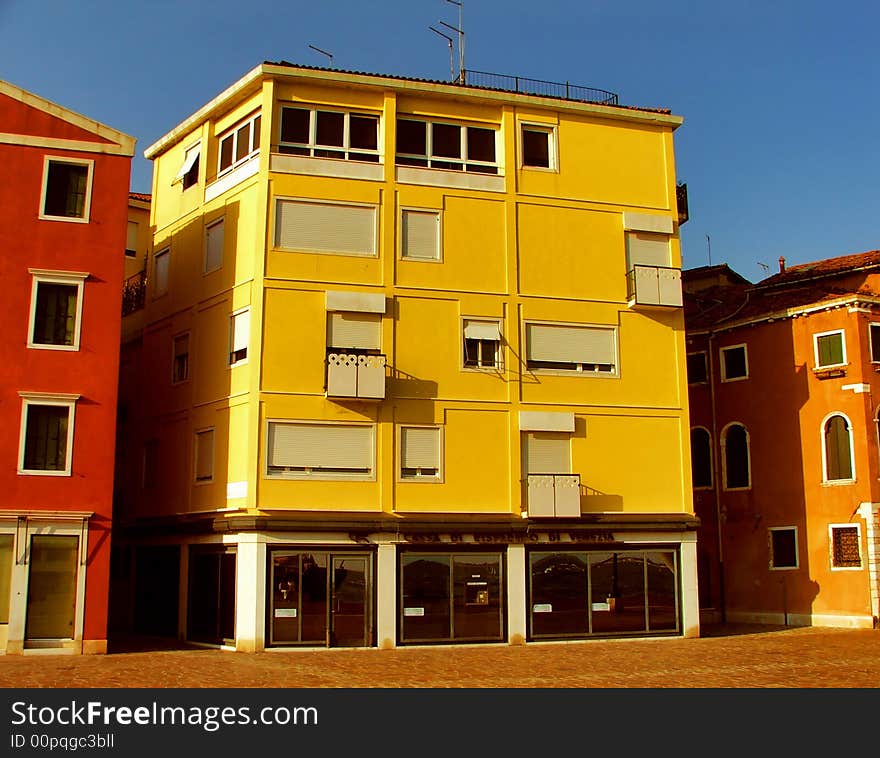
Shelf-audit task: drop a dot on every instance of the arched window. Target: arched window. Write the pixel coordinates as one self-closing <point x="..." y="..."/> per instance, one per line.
<point x="837" y="443"/>
<point x="735" y="451"/>
<point x="701" y="457"/>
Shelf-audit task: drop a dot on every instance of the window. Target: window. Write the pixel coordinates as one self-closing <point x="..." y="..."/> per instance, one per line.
<point x="189" y="170"/>
<point x="874" y="332"/>
<point x="46" y="434"/>
<point x="151" y="464"/>
<point x="482" y="343"/>
<point x="420" y="235"/>
<point x="449" y="146"/>
<point x="846" y="546"/>
<point x="647" y="249"/>
<point x="420" y="448"/>
<point x="329" y="451"/>
<point x="837" y="446"/>
<point x="735" y="455"/>
<point x="538" y="148"/>
<point x="161" y="262"/>
<point x="329" y="134"/>
<point x="239" y="335"/>
<point x="701" y="458"/>
<point x="214" y="236"/>
<point x="56" y="309"/>
<point x="180" y="362"/>
<point x="734" y="363"/>
<point x="582" y="349"/>
<point x="830" y="349"/>
<point x="783" y="547"/>
<point x="326" y="227"/>
<point x="204" y="456"/>
<point x="353" y="331"/>
<point x="67" y="189"/>
<point x="131" y="238"/>
<point x="239" y="144"/>
<point x="697" y="371"/>
<point x="546" y="453"/>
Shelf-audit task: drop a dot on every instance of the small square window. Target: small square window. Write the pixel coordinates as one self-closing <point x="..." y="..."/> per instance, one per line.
<point x="537" y="146"/>
<point x="67" y="188"/>
<point x="420" y="454"/>
<point x="846" y="551"/>
<point x="56" y="310"/>
<point x="161" y="262"/>
<point x="783" y="547"/>
<point x="189" y="171"/>
<point x="180" y="364"/>
<point x="482" y="344"/>
<point x="697" y="372"/>
<point x="420" y="235"/>
<point x="46" y="435"/>
<point x="734" y="363"/>
<point x="830" y="349"/>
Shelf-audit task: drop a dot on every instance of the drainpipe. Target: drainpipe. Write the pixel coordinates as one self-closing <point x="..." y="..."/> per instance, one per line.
<point x="716" y="479"/>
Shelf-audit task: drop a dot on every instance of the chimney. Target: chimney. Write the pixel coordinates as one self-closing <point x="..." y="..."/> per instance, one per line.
<point x="781" y="265"/>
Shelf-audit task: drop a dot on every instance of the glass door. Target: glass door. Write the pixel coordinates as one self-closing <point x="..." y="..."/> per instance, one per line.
<point x="350" y="606"/>
<point x="51" y="596"/>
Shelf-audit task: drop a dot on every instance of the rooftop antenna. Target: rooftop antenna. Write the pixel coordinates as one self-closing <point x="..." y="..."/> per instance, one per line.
<point x="460" y="31"/>
<point x="764" y="266"/>
<point x="709" y="246"/>
<point x="451" y="57"/>
<point x="323" y="52"/>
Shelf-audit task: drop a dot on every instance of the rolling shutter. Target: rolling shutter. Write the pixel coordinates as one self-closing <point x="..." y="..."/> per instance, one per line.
<point x="481" y="330"/>
<point x="421" y="235"/>
<point x="647" y="249"/>
<point x="420" y="447"/>
<point x="326" y="227"/>
<point x="547" y="453"/>
<point x="354" y="330"/>
<point x="214" y="246"/>
<point x="570" y="344"/>
<point x="321" y="446"/>
<point x="205" y="455"/>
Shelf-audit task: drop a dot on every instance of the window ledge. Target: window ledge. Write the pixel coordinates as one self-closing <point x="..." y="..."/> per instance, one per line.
<point x="829" y="372"/>
<point x="837" y="482"/>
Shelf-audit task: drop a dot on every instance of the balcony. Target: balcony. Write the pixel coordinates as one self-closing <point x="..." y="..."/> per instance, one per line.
<point x="356" y="376"/>
<point x="654" y="286"/>
<point x="133" y="291"/>
<point x="554" y="495"/>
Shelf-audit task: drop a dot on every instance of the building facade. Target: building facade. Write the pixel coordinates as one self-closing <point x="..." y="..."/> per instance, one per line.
<point x="783" y="379"/>
<point x="63" y="207"/>
<point x="410" y="370"/>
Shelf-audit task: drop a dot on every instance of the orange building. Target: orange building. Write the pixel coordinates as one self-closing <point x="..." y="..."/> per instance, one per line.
<point x="784" y="399"/>
<point x="63" y="206"/>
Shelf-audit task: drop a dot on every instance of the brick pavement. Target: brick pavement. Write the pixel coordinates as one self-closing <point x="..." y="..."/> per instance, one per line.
<point x="722" y="658"/>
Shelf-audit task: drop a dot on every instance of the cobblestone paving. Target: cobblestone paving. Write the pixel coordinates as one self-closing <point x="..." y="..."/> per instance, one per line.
<point x="722" y="658"/>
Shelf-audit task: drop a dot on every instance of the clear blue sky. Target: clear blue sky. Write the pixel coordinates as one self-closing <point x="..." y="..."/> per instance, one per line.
<point x="780" y="147"/>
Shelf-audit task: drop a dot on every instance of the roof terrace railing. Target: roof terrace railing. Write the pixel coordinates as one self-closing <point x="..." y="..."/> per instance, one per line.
<point x="563" y="90"/>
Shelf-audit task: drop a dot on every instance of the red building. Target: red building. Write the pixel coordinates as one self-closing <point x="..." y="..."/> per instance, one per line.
<point x="63" y="215"/>
<point x="785" y="404"/>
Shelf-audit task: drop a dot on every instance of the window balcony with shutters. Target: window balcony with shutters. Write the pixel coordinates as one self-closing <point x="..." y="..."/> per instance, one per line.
<point x="353" y="375"/>
<point x="650" y="280"/>
<point x="552" y="491"/>
<point x="554" y="495"/>
<point x="654" y="286"/>
<point x="355" y="365"/>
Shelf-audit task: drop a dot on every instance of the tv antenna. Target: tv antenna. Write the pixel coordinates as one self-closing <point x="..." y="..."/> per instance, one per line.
<point x="709" y="246"/>
<point x="323" y="52"/>
<point x="459" y="30"/>
<point x="451" y="54"/>
<point x="764" y="266"/>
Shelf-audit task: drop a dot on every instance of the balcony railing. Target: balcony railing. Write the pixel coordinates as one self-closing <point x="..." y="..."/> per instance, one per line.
<point x="654" y="286"/>
<point x="133" y="292"/>
<point x="563" y="90"/>
<point x="554" y="495"/>
<point x="356" y="376"/>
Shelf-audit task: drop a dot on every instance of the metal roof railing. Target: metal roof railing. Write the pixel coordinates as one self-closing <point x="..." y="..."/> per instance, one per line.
<point x="563" y="90"/>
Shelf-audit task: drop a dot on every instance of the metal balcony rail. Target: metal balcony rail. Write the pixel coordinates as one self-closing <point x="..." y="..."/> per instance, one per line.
<point x="134" y="291"/>
<point x="564" y="90"/>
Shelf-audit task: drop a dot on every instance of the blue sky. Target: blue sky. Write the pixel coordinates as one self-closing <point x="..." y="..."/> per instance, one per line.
<point x="779" y="147"/>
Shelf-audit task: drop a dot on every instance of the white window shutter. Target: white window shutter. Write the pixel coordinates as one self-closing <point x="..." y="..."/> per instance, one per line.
<point x="647" y="249"/>
<point x="354" y="330"/>
<point x="482" y="330"/>
<point x="317" y="446"/>
<point x="326" y="227"/>
<point x="421" y="235"/>
<point x="570" y="344"/>
<point x="419" y="447"/>
<point x="547" y="453"/>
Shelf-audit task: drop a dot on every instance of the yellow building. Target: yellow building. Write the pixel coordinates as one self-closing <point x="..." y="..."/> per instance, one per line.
<point x="411" y="369"/>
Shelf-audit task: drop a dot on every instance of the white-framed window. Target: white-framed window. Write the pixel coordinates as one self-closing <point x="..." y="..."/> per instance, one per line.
<point x="239" y="144"/>
<point x="161" y="267"/>
<point x="150" y="471"/>
<point x="838" y="459"/>
<point x="46" y="440"/>
<point x="306" y="450"/>
<point x="420" y="235"/>
<point x="647" y="249"/>
<point x="874" y="338"/>
<point x="571" y="348"/>
<point x="829" y="349"/>
<point x="784" y="553"/>
<point x="481" y="343"/>
<point x="321" y="133"/>
<point x="701" y="458"/>
<point x="538" y="146"/>
<point x="421" y="453"/>
<point x="214" y="238"/>
<point x="67" y="189"/>
<point x="455" y="147"/>
<point x="736" y="457"/>
<point x="353" y="331"/>
<point x="239" y="336"/>
<point x="188" y="175"/>
<point x="327" y="227"/>
<point x="55" y="321"/>
<point x="131" y="239"/>
<point x="546" y="452"/>
<point x="180" y="358"/>
<point x="697" y="368"/>
<point x="845" y="547"/>
<point x="203" y="456"/>
<point x="734" y="363"/>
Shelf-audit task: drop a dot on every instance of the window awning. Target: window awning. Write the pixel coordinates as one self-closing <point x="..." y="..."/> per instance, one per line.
<point x="481" y="330"/>
<point x="192" y="155"/>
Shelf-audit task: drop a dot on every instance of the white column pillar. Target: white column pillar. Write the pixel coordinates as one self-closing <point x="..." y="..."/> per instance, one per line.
<point x="516" y="594"/>
<point x="690" y="599"/>
<point x="250" y="593"/>
<point x="871" y="513"/>
<point x="386" y="596"/>
<point x="18" y="595"/>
